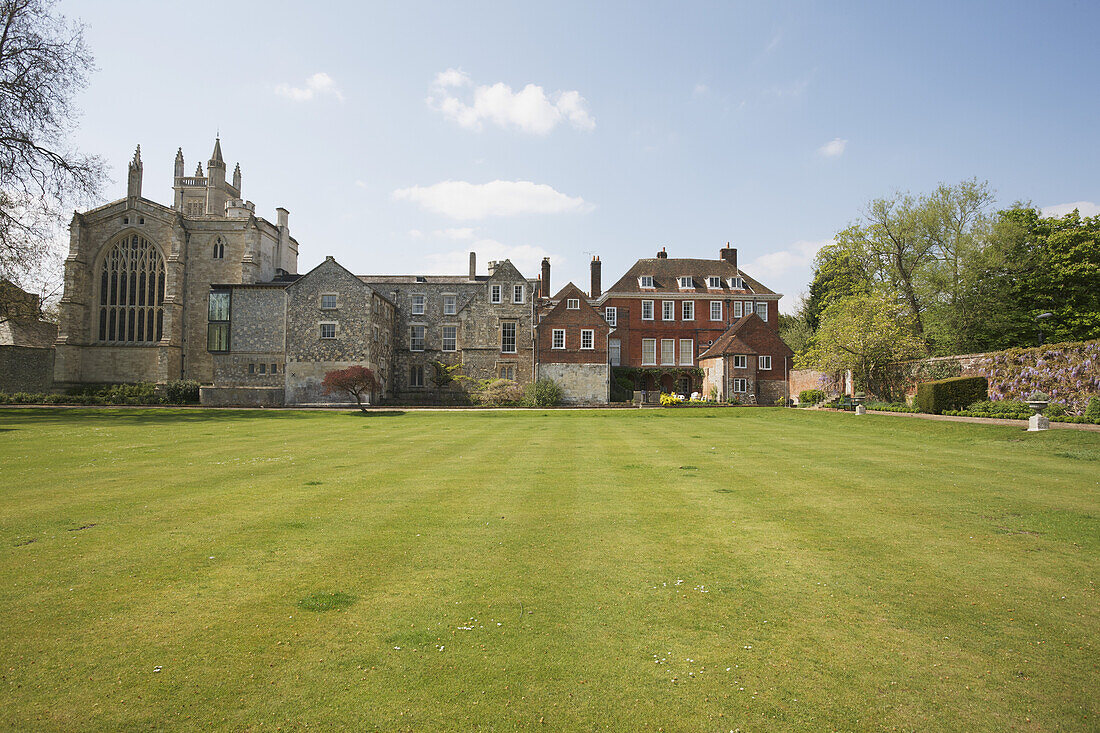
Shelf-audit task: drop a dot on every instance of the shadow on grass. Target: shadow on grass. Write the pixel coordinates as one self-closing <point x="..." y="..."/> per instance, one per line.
<point x="140" y="415"/>
<point x="381" y="413"/>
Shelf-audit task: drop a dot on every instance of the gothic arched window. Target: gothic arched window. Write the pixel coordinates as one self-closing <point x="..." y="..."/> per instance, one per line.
<point x="131" y="292"/>
<point x="219" y="249"/>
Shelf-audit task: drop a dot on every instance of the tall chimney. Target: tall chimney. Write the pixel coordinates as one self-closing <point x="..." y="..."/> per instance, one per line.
<point x="729" y="254"/>
<point x="473" y="265"/>
<point x="544" y="281"/>
<point x="662" y="255"/>
<point x="282" y="257"/>
<point x="596" y="289"/>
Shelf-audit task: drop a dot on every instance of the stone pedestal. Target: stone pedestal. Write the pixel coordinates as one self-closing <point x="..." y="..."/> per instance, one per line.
<point x="1038" y="422"/>
<point x="861" y="410"/>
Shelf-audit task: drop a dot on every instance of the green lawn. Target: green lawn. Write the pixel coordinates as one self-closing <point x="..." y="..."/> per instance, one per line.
<point x="696" y="570"/>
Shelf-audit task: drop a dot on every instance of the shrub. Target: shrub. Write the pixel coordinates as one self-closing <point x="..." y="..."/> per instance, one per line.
<point x="1092" y="412"/>
<point x="498" y="392"/>
<point x="1008" y="409"/>
<point x="544" y="392"/>
<point x="667" y="400"/>
<point x="182" y="392"/>
<point x="950" y="394"/>
<point x="811" y="397"/>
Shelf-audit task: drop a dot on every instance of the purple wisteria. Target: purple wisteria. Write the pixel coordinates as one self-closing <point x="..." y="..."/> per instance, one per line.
<point x="1069" y="373"/>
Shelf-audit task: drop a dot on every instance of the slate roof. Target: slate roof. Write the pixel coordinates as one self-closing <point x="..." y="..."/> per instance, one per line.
<point x="665" y="272"/>
<point x="748" y="335"/>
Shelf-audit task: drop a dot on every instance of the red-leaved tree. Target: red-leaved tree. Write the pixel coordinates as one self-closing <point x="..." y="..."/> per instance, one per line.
<point x="355" y="380"/>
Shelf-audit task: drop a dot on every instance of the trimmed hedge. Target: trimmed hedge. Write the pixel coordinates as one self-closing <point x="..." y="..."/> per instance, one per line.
<point x="956" y="393"/>
<point x="810" y="397"/>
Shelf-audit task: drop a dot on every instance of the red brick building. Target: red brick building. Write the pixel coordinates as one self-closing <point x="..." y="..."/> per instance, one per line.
<point x="666" y="312"/>
<point x="749" y="363"/>
<point x="571" y="345"/>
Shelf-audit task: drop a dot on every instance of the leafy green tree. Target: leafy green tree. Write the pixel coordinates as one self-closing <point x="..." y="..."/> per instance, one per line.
<point x="865" y="334"/>
<point x="444" y="374"/>
<point x="838" y="273"/>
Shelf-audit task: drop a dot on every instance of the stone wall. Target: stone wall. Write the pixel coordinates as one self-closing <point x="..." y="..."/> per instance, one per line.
<point x="580" y="383"/>
<point x="25" y="369"/>
<point x="241" y="396"/>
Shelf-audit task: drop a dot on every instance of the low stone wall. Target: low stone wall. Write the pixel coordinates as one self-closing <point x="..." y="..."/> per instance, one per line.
<point x="585" y="384"/>
<point x="26" y="369"/>
<point x="241" y="396"/>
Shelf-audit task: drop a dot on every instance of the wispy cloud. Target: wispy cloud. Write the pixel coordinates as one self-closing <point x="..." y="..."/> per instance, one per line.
<point x="799" y="256"/>
<point x="459" y="233"/>
<point x="318" y="85"/>
<point x="466" y="201"/>
<point x="526" y="257"/>
<point x="700" y="90"/>
<point x="833" y="149"/>
<point x="529" y="110"/>
<point x="1086" y="208"/>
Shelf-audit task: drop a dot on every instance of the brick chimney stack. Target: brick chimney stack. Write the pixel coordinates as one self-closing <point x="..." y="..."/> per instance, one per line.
<point x="544" y="281"/>
<point x="729" y="254"/>
<point x="596" y="289"/>
<point x="662" y="255"/>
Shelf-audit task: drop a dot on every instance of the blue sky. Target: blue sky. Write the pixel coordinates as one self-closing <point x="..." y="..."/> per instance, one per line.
<point x="402" y="135"/>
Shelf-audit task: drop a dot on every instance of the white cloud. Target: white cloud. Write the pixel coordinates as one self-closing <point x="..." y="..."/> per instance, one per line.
<point x="833" y="149"/>
<point x="465" y="201"/>
<point x="1087" y="208"/>
<point x="700" y="89"/>
<point x="460" y="233"/>
<point x="360" y="184"/>
<point x="529" y="110"/>
<point x="416" y="234"/>
<point x="799" y="256"/>
<point x="526" y="257"/>
<point x="318" y="85"/>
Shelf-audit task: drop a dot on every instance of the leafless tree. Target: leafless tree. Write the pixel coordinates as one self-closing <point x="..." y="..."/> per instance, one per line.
<point x="44" y="62"/>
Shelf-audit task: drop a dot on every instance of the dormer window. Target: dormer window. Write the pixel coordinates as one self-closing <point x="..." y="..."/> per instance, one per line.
<point x="685" y="283"/>
<point x="737" y="283"/>
<point x="573" y="304"/>
<point x="645" y="281"/>
<point x="714" y="283"/>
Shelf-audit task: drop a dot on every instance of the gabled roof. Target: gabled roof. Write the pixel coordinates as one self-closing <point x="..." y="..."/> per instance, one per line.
<point x="505" y="270"/>
<point x="747" y="335"/>
<point x="330" y="262"/>
<point x="571" y="291"/>
<point x="666" y="271"/>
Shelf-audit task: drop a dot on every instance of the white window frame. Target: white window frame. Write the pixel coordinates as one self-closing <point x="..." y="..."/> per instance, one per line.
<point x="690" y="352"/>
<point x="419" y="304"/>
<point x="555" y="335"/>
<point x="764" y="363"/>
<point x="588" y="336"/>
<point x="335" y="301"/>
<point x="762" y="310"/>
<point x="321" y="329"/>
<point x="714" y="283"/>
<point x="450" y="305"/>
<point x="496" y="294"/>
<point x="737" y="283"/>
<point x="740" y="385"/>
<point x="573" y="304"/>
<point x="668" y="310"/>
<point x="412" y="336"/>
<point x="670" y="352"/>
<point x="737" y="309"/>
<point x="740" y="361"/>
<point x="453" y="339"/>
<point x="647" y="304"/>
<point x="652" y="343"/>
<point x="515" y="337"/>
<point x="714" y="303"/>
<point x="646" y="281"/>
<point x="611" y="315"/>
<point x="518" y="295"/>
<point x="685" y="283"/>
<point x="687" y="310"/>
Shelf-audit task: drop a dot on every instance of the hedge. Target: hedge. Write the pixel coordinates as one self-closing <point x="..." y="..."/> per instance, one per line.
<point x="810" y="397"/>
<point x="956" y="393"/>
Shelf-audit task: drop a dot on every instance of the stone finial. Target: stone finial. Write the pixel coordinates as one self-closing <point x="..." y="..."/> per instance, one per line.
<point x="198" y="171"/>
<point x="133" y="182"/>
<point x="179" y="163"/>
<point x="237" y="177"/>
<point x="216" y="156"/>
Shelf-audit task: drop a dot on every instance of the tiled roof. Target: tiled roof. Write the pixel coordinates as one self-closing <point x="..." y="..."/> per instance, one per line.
<point x="748" y="335"/>
<point x="665" y="273"/>
<point x="422" y="279"/>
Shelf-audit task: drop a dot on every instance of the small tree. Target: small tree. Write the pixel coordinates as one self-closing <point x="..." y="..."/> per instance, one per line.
<point x="355" y="380"/>
<point x="444" y="374"/>
<point x="866" y="334"/>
